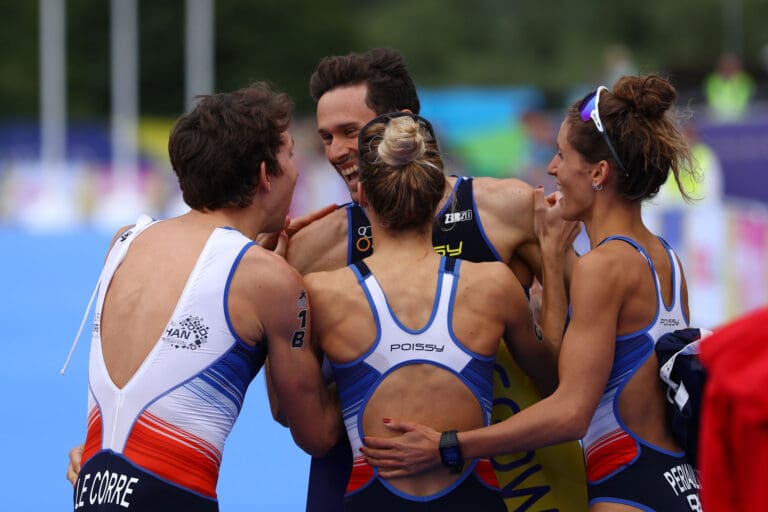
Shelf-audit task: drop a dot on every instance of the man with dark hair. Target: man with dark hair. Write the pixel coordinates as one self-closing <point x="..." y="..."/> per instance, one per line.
<point x="480" y="219"/>
<point x="204" y="304"/>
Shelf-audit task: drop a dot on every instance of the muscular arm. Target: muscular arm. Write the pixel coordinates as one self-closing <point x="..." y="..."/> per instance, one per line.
<point x="278" y="298"/>
<point x="536" y="356"/>
<point x="507" y="213"/>
<point x="505" y="207"/>
<point x="274" y="404"/>
<point x="556" y="238"/>
<point x="584" y="365"/>
<point x="320" y="246"/>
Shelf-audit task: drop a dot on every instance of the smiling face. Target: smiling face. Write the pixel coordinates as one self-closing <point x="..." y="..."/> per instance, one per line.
<point x="574" y="177"/>
<point x="341" y="112"/>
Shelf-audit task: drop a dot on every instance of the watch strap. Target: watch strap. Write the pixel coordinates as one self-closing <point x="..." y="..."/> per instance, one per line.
<point x="450" y="451"/>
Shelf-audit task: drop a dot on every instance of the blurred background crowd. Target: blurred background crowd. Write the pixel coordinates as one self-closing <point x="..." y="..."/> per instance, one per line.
<point x="90" y="89"/>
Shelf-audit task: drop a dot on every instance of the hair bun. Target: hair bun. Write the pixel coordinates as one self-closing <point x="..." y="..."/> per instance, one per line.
<point x="402" y="142"/>
<point x="651" y="96"/>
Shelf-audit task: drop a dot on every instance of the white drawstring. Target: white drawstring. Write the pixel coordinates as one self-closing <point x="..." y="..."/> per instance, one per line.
<point x="141" y="224"/>
<point x="82" y="324"/>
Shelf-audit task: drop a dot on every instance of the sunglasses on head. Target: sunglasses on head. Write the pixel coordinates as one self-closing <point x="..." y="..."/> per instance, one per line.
<point x="589" y="110"/>
<point x="386" y="118"/>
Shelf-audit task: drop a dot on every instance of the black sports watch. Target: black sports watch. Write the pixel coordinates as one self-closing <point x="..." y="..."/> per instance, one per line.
<point x="450" y="452"/>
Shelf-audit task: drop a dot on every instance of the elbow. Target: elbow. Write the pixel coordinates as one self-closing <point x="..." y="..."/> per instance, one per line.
<point x="547" y="385"/>
<point x="579" y="430"/>
<point x="278" y="415"/>
<point x="575" y="422"/>
<point x="318" y="438"/>
<point x="546" y="380"/>
<point x="318" y="444"/>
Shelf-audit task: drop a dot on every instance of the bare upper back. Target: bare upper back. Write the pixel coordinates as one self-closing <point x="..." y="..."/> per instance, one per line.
<point x="346" y="328"/>
<point x="428" y="393"/>
<point x="634" y="276"/>
<point x="144" y="291"/>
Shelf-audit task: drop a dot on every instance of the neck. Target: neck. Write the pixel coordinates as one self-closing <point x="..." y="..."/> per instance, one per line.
<point x="447" y="191"/>
<point x="249" y="221"/>
<point x="410" y="245"/>
<point x="617" y="217"/>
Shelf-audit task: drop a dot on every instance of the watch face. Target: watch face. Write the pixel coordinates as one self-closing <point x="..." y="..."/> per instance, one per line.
<point x="451" y="455"/>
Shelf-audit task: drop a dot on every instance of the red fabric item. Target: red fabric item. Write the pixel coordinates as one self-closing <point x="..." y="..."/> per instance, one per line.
<point x="733" y="442"/>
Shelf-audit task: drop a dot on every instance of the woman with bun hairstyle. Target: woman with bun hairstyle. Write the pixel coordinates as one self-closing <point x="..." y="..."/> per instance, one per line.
<point x="615" y="149"/>
<point x="411" y="333"/>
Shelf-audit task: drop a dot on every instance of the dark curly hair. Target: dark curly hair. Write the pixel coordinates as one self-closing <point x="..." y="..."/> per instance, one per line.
<point x="390" y="85"/>
<point x="217" y="148"/>
<point x="638" y="119"/>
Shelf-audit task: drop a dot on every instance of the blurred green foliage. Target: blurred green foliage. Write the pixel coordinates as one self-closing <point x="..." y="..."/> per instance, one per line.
<point x="552" y="44"/>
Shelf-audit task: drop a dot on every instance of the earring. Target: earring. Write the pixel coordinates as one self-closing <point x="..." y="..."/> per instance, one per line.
<point x="597" y="186"/>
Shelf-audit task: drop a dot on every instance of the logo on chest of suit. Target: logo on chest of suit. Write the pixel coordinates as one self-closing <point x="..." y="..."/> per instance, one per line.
<point x="417" y="347"/>
<point x="448" y="250"/>
<point x="670" y="322"/>
<point x="190" y="333"/>
<point x="455" y="217"/>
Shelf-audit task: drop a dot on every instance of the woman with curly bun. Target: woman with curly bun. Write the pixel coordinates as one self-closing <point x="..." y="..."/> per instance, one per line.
<point x="615" y="149"/>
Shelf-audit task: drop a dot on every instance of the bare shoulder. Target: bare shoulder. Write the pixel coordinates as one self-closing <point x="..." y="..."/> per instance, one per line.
<point x="330" y="288"/>
<point x="322" y="245"/>
<point x="493" y="279"/>
<point x="120" y="232"/>
<point x="604" y="285"/>
<point x="319" y="281"/>
<point x="338" y="306"/>
<point x="265" y="272"/>
<point x="507" y="196"/>
<point x="599" y="267"/>
<point x="505" y="208"/>
<point x="264" y="295"/>
<point x="486" y="271"/>
<point x="117" y="235"/>
<point x="489" y="299"/>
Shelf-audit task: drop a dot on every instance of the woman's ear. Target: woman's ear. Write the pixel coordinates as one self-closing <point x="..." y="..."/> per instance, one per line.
<point x="600" y="174"/>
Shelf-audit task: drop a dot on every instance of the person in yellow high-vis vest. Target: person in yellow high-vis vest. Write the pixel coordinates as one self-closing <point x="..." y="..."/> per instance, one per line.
<point x="729" y="89"/>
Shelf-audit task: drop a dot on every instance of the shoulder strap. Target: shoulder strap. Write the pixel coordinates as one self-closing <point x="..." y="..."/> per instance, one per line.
<point x="642" y="251"/>
<point x="623" y="239"/>
<point x="450" y="265"/>
<point x="359" y="241"/>
<point x="362" y="269"/>
<point x="141" y="224"/>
